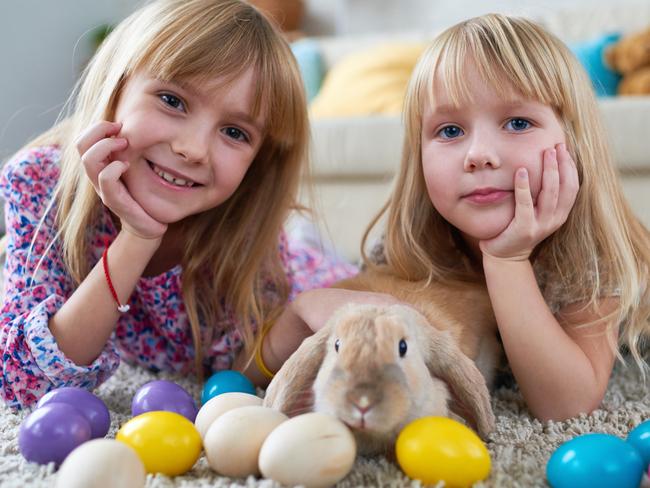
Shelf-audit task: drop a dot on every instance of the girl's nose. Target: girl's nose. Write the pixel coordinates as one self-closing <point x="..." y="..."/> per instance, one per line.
<point x="482" y="153"/>
<point x="193" y="144"/>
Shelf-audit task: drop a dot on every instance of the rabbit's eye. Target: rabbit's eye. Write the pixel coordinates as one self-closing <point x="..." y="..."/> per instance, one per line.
<point x="402" y="348"/>
<point x="337" y="344"/>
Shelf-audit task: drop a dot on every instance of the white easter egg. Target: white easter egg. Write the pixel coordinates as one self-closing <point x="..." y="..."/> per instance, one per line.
<point x="313" y="449"/>
<point x="233" y="441"/>
<point x="219" y="405"/>
<point x="102" y="463"/>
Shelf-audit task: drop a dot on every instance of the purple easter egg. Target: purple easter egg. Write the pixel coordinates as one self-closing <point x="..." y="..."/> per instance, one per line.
<point x="51" y="432"/>
<point x="164" y="395"/>
<point x="89" y="405"/>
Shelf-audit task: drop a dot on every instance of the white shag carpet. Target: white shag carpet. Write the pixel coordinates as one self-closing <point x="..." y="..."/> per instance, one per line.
<point x="520" y="446"/>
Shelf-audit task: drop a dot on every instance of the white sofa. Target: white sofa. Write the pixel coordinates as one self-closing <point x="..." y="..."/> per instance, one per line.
<point x="355" y="158"/>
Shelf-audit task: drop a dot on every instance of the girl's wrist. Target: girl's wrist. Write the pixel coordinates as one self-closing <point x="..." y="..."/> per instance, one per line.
<point x="495" y="264"/>
<point x="138" y="243"/>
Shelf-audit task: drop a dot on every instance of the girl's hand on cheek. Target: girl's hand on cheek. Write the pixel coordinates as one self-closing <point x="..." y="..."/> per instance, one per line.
<point x="532" y="224"/>
<point x="96" y="146"/>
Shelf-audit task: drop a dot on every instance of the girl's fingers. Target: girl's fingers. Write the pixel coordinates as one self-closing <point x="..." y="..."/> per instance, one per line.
<point x="524" y="207"/>
<point x="569" y="183"/>
<point x="99" y="152"/>
<point x="109" y="184"/>
<point x="547" y="200"/>
<point x="95" y="133"/>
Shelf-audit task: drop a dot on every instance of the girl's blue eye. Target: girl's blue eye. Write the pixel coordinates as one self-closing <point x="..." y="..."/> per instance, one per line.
<point x="235" y="133"/>
<point x="450" y="132"/>
<point x="173" y="101"/>
<point x="518" y="124"/>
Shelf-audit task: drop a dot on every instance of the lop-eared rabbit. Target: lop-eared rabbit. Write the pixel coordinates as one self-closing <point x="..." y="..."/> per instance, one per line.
<point x="377" y="368"/>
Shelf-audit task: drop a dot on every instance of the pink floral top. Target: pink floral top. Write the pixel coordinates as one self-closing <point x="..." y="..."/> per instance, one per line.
<point x="155" y="333"/>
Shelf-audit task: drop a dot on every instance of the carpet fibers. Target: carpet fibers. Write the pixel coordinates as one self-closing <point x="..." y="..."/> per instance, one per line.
<point x="520" y="446"/>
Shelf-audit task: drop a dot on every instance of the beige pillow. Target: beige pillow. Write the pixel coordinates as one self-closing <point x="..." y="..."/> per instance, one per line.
<point x="368" y="82"/>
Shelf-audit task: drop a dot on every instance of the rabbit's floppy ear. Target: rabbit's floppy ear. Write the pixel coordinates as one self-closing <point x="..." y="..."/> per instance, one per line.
<point x="467" y="384"/>
<point x="294" y="381"/>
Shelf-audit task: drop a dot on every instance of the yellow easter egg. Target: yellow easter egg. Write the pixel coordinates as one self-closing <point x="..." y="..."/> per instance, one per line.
<point x="166" y="442"/>
<point x="431" y="449"/>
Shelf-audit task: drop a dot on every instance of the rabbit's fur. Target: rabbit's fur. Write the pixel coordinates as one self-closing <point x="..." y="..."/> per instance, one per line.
<point x="448" y="330"/>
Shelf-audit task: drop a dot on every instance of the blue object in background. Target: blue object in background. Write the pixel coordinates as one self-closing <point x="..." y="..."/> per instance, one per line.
<point x="595" y="461"/>
<point x="311" y="66"/>
<point x="591" y="56"/>
<point x="224" y="382"/>
<point x="639" y="437"/>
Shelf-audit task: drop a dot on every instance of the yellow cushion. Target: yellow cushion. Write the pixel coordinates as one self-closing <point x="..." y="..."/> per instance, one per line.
<point x="367" y="82"/>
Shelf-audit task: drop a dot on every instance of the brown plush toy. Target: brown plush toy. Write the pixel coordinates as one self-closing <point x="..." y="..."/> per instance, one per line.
<point x="636" y="83"/>
<point x="630" y="56"/>
<point x="288" y="14"/>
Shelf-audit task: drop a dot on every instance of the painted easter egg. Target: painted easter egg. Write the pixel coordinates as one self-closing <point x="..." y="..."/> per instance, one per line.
<point x="88" y="404"/>
<point x="226" y="381"/>
<point x="166" y="442"/>
<point x="595" y="461"/>
<point x="639" y="437"/>
<point x="51" y="432"/>
<point x="312" y="449"/>
<point x="102" y="463"/>
<point x="233" y="441"/>
<point x="219" y="405"/>
<point x="432" y="449"/>
<point x="163" y="395"/>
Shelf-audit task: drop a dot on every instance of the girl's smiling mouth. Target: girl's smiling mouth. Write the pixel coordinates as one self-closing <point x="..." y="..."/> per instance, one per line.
<point x="172" y="179"/>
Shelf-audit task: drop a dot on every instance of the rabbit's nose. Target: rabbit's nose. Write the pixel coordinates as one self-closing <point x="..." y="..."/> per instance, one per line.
<point x="363" y="399"/>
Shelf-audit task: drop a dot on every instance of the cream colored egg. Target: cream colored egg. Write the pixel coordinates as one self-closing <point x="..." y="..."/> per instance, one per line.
<point x="102" y="463"/>
<point x="233" y="441"/>
<point x="313" y="449"/>
<point x="219" y="405"/>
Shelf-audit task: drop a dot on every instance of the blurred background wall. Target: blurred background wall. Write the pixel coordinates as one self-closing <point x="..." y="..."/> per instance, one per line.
<point x="44" y="44"/>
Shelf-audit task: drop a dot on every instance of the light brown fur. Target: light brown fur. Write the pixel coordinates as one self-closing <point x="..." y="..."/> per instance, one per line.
<point x="446" y="328"/>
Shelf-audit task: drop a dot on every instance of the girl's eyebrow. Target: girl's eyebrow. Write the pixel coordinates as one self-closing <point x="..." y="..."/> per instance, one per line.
<point x="247" y="119"/>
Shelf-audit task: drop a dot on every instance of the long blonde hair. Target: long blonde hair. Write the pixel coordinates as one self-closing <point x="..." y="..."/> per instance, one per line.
<point x="232" y="251"/>
<point x="602" y="245"/>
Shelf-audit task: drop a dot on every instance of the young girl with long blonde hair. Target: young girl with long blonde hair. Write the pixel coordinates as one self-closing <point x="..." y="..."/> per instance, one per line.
<point x="147" y="225"/>
<point x="507" y="178"/>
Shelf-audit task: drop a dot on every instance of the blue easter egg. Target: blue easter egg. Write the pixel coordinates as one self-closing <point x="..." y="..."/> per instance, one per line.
<point x="595" y="461"/>
<point x="640" y="438"/>
<point x="224" y="382"/>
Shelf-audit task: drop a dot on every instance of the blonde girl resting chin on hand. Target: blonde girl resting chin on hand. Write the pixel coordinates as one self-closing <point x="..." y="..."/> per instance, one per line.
<point x="147" y="225"/>
<point x="506" y="177"/>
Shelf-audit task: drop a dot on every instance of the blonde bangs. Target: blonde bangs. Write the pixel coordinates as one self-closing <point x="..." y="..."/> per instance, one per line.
<point x="517" y="60"/>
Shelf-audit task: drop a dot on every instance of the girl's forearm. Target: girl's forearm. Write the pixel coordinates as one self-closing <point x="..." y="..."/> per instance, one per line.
<point x="306" y="314"/>
<point x="84" y="324"/>
<point x="282" y="339"/>
<point x="555" y="376"/>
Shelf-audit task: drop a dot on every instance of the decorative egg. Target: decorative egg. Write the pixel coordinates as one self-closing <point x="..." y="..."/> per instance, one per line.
<point x="233" y="441"/>
<point x="639" y="437"/>
<point x="163" y="395"/>
<point x="221" y="404"/>
<point x="102" y="463"/>
<point x="225" y="381"/>
<point x="432" y="449"/>
<point x="312" y="449"/>
<point x="88" y="404"/>
<point x="51" y="432"/>
<point x="595" y="461"/>
<point x="166" y="442"/>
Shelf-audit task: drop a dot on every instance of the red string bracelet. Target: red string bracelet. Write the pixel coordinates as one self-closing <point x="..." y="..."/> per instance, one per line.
<point x="122" y="308"/>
